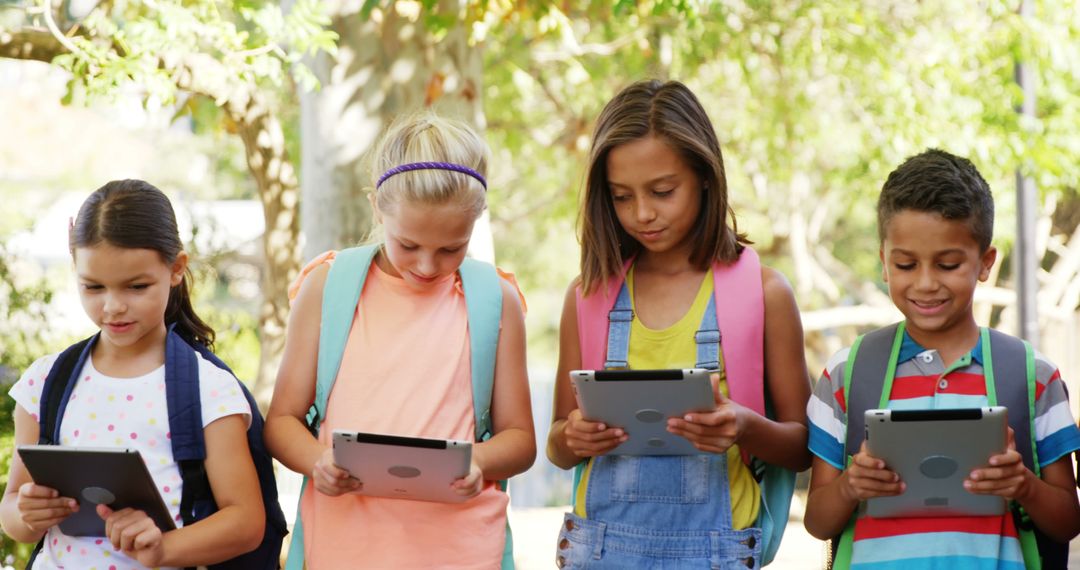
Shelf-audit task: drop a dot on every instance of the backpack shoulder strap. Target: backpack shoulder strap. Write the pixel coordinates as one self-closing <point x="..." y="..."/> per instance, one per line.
<point x="740" y="306"/>
<point x="184" y="403"/>
<point x="1008" y="359"/>
<point x="483" y="302"/>
<point x="57" y="389"/>
<point x="872" y="357"/>
<point x="344" y="283"/>
<point x="592" y="319"/>
<point x="183" y="400"/>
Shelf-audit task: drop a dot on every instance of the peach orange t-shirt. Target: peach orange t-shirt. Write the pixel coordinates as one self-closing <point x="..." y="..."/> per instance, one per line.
<point x="405" y="371"/>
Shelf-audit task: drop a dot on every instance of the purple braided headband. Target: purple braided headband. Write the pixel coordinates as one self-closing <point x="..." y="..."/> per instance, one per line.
<point x="431" y="166"/>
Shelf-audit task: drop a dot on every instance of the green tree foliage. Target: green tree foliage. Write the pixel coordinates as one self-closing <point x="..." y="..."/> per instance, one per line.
<point x="814" y="104"/>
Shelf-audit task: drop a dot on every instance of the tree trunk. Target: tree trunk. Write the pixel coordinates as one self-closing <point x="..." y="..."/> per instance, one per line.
<point x="268" y="160"/>
<point x="264" y="145"/>
<point x="386" y="66"/>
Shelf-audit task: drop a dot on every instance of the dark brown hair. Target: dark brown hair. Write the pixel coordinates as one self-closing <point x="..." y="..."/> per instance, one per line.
<point x="671" y="112"/>
<point x="133" y="214"/>
<point x="938" y="182"/>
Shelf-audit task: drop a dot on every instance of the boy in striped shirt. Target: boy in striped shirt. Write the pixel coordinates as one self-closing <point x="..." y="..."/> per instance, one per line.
<point x="935" y="223"/>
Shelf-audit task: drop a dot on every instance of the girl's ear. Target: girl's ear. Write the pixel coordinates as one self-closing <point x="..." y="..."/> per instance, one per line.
<point x="179" y="266"/>
<point x="986" y="261"/>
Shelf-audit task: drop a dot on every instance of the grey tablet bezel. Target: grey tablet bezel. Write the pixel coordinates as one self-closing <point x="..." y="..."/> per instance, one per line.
<point x="641" y="401"/>
<point x="78" y="473"/>
<point x="383" y="463"/>
<point x="918" y="445"/>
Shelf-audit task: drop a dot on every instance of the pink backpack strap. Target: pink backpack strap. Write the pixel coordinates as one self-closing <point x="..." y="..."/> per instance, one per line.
<point x="592" y="320"/>
<point x="740" y="314"/>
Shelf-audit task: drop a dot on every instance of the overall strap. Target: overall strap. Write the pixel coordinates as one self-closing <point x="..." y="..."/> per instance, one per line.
<point x="57" y="389"/>
<point x="707" y="339"/>
<point x="618" y="337"/>
<point x="344" y="283"/>
<point x="483" y="302"/>
<point x="872" y="361"/>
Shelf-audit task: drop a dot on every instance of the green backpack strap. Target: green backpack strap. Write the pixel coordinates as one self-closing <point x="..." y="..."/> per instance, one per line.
<point x="341" y="293"/>
<point x="1006" y="358"/>
<point x="875" y="368"/>
<point x="871" y="359"/>
<point x="483" y="302"/>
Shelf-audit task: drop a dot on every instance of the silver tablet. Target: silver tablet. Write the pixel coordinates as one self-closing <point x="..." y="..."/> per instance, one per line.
<point x="403" y="467"/>
<point x="640" y="402"/>
<point x="114" y="477"/>
<point x="933" y="451"/>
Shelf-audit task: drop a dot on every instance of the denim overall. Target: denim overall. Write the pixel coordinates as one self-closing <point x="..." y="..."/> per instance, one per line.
<point x="672" y="512"/>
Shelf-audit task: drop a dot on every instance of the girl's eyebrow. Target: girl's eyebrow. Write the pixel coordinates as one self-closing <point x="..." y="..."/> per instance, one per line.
<point x="657" y="180"/>
<point x="139" y="277"/>
<point x="900" y="251"/>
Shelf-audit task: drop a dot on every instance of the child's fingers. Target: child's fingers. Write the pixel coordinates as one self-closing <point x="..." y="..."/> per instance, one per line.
<point x="591" y="448"/>
<point x="866" y="461"/>
<point x="149" y="538"/>
<point x="116" y="523"/>
<point x="868" y="489"/>
<point x="591" y="436"/>
<point x="1006" y="487"/>
<point x="30" y="490"/>
<point x="704" y="422"/>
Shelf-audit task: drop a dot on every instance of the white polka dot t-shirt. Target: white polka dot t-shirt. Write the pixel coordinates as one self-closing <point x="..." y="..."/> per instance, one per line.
<point x="122" y="412"/>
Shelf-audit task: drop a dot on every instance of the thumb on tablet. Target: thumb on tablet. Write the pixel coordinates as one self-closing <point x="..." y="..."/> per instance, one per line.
<point x="104" y="511"/>
<point x="714" y="379"/>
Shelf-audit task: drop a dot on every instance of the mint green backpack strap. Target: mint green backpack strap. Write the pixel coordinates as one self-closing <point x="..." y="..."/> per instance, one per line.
<point x="341" y="293"/>
<point x="340" y="296"/>
<point x="483" y="302"/>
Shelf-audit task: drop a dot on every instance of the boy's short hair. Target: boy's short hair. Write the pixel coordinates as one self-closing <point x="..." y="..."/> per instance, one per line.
<point x="938" y="182"/>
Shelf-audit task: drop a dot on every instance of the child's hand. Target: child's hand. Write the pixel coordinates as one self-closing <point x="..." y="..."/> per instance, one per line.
<point x="589" y="439"/>
<point x="135" y="534"/>
<point x="329" y="479"/>
<point x="714" y="431"/>
<point x="867" y="478"/>
<point x="471" y="484"/>
<point x="1006" y="476"/>
<point x="41" y="508"/>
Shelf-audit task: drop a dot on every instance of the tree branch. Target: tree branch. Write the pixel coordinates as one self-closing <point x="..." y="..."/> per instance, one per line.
<point x="35" y="44"/>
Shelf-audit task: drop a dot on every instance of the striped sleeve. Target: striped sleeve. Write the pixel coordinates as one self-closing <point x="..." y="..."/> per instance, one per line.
<point x="1056" y="433"/>
<point x="825" y="413"/>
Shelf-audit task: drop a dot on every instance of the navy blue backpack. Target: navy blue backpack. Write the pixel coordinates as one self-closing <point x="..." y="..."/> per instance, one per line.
<point x="188" y="443"/>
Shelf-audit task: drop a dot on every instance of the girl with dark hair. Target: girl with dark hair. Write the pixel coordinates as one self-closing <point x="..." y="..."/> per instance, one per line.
<point x="660" y="243"/>
<point x="133" y="282"/>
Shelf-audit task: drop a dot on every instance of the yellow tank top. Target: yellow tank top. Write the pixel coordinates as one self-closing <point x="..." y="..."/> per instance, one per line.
<point x="674" y="347"/>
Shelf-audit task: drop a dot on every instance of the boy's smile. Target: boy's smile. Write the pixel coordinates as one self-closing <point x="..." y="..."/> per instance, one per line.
<point x="932" y="265"/>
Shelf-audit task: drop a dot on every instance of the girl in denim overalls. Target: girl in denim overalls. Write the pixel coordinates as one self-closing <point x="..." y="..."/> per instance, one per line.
<point x="655" y="217"/>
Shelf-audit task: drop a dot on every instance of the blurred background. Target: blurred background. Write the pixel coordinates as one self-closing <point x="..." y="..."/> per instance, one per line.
<point x="256" y="118"/>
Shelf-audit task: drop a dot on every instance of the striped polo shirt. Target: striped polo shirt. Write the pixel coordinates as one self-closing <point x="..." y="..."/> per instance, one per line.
<point x="922" y="382"/>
